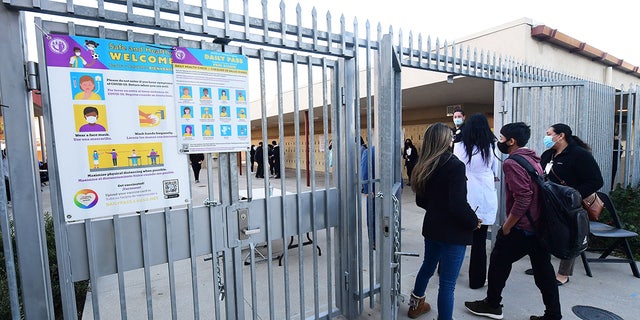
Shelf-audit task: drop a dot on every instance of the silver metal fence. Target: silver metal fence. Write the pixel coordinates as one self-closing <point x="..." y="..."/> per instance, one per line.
<point x="174" y="241"/>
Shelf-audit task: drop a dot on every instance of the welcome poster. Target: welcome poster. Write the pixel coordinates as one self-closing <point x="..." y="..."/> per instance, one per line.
<point x="211" y="99"/>
<point x="113" y="110"/>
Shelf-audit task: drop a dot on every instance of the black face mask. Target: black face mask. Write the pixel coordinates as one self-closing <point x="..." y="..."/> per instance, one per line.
<point x="503" y="147"/>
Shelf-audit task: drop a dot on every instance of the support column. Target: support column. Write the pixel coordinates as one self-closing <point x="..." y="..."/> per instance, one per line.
<point x="17" y="111"/>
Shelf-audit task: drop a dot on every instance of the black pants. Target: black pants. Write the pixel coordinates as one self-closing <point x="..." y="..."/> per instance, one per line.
<point x="410" y="166"/>
<point x="478" y="260"/>
<point x="511" y="248"/>
<point x="260" y="170"/>
<point x="196" y="170"/>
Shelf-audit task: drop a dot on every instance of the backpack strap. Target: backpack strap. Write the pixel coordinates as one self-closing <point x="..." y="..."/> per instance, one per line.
<point x="532" y="173"/>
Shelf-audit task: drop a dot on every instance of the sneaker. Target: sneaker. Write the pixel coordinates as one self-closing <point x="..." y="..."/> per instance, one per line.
<point x="482" y="308"/>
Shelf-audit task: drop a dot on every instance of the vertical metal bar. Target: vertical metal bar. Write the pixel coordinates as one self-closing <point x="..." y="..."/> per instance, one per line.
<point x="28" y="225"/>
<point x="267" y="211"/>
<point x="254" y="280"/>
<point x="146" y="259"/>
<point x="296" y="125"/>
<point x="372" y="270"/>
<point x="130" y="11"/>
<point x="117" y="230"/>
<point x="630" y="138"/>
<point x="314" y="22"/>
<point x="192" y="257"/>
<point x="265" y="22"/>
<point x="349" y="225"/>
<point x="93" y="278"/>
<point x="227" y="29"/>
<point x="327" y="187"/>
<point x="181" y="22"/>
<point x="299" y="24"/>
<point x="358" y="128"/>
<point x="311" y="147"/>
<point x="7" y="246"/>
<point x="635" y="143"/>
<point x="283" y="23"/>
<point x="343" y="35"/>
<point x="170" y="262"/>
<point x="218" y="292"/>
<point x="385" y="150"/>
<point x="156" y="12"/>
<point x="101" y="12"/>
<point x="233" y="270"/>
<point x="245" y="16"/>
<point x="329" y="35"/>
<point x="285" y="254"/>
<point x="205" y="16"/>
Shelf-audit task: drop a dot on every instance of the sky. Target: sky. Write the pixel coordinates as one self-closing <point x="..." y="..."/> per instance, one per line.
<point x="609" y="26"/>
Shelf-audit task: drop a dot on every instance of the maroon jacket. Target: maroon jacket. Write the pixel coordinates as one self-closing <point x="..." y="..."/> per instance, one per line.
<point x="521" y="191"/>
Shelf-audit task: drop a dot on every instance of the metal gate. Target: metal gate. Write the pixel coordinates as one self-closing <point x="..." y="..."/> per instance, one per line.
<point x="218" y="259"/>
<point x="215" y="260"/>
<point x="627" y="109"/>
<point x="585" y="106"/>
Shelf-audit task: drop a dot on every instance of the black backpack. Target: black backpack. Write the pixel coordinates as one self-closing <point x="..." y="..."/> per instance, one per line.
<point x="564" y="224"/>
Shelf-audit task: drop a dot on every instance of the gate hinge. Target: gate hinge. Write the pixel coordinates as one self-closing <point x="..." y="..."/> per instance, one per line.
<point x="343" y="97"/>
<point x="31" y="76"/>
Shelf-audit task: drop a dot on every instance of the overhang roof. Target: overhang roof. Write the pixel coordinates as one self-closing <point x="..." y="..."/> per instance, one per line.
<point x="553" y="36"/>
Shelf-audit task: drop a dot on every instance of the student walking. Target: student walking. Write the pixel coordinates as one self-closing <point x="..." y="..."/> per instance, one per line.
<point x="439" y="183"/>
<point x="518" y="237"/>
<point x="476" y="151"/>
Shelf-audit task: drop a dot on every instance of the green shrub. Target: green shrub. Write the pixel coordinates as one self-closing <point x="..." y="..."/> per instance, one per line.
<point x="80" y="287"/>
<point x="627" y="203"/>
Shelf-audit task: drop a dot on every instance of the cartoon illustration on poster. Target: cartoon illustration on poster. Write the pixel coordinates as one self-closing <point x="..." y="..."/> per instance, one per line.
<point x="114" y="115"/>
<point x="211" y="90"/>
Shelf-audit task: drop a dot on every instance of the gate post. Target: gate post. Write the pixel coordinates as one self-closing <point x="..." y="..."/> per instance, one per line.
<point x="17" y="112"/>
<point x="389" y="127"/>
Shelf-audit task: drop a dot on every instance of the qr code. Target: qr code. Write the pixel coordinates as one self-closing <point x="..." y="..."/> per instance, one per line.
<point x="171" y="187"/>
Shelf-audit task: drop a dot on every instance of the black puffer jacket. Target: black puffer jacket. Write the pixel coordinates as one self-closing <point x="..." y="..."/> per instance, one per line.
<point x="576" y="167"/>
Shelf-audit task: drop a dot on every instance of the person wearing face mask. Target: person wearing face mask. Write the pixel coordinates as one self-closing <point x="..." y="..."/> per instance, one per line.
<point x="568" y="161"/>
<point x="410" y="156"/>
<point x="92" y="125"/>
<point x="517" y="237"/>
<point x="458" y="121"/>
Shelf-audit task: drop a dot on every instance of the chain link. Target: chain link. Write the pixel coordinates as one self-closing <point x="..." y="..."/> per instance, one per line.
<point x="221" y="288"/>
<point x="396" y="244"/>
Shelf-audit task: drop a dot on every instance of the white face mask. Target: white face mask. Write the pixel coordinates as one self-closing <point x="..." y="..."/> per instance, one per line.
<point x="77" y="54"/>
<point x="92" y="119"/>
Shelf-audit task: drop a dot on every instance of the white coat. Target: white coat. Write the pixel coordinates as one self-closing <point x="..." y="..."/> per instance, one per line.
<point x="481" y="188"/>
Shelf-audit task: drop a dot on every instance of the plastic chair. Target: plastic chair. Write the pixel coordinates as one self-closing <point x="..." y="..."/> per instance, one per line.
<point x="619" y="236"/>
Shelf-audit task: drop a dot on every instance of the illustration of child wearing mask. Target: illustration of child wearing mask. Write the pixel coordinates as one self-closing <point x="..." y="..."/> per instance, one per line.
<point x="92" y="125"/>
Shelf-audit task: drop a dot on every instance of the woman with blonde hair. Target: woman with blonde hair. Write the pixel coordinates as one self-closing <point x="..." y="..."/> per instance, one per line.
<point x="439" y="182"/>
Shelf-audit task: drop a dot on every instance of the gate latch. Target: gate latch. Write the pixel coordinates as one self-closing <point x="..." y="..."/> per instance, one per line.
<point x="243" y="225"/>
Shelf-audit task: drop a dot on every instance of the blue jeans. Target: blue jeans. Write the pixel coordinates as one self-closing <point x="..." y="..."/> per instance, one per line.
<point x="450" y="257"/>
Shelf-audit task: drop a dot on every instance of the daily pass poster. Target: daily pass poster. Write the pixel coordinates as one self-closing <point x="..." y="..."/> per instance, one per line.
<point x="114" y="111"/>
<point x="211" y="99"/>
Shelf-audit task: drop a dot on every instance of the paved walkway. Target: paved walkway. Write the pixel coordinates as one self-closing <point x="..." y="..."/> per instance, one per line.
<point x="612" y="288"/>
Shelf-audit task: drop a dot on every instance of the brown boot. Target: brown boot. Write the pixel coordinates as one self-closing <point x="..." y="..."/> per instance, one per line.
<point x="417" y="306"/>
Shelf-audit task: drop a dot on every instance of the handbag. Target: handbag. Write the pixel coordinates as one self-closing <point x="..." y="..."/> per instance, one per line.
<point x="594" y="205"/>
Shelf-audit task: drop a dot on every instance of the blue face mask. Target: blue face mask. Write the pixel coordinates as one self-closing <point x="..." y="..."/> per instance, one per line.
<point x="457" y="121"/>
<point x="548" y="142"/>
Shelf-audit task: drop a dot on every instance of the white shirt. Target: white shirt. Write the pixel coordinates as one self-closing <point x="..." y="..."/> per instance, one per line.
<point x="481" y="187"/>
